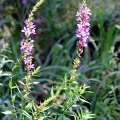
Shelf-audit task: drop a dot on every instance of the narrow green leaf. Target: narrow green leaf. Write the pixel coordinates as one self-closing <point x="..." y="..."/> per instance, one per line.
<point x="13" y="98"/>
<point x="29" y="105"/>
<point x="22" y="83"/>
<point x="52" y="91"/>
<point x="65" y="77"/>
<point x="1" y="84"/>
<point x="10" y="83"/>
<point x="13" y="68"/>
<point x="18" y="88"/>
<point x="26" y="114"/>
<point x="8" y="112"/>
<point x="5" y="74"/>
<point x="36" y="70"/>
<point x="58" y="105"/>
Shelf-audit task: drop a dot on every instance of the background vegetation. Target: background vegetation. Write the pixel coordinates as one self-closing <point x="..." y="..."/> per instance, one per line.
<point x="55" y="49"/>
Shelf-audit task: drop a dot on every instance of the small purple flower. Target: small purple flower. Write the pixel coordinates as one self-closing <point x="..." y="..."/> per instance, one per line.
<point x="29" y="29"/>
<point x="24" y="1"/>
<point x="26" y="31"/>
<point x="30" y="45"/>
<point x="82" y="43"/>
<point x="31" y="66"/>
<point x="23" y="45"/>
<point x="83" y="26"/>
<point x="28" y="60"/>
<point x="37" y="21"/>
<point x="27" y="47"/>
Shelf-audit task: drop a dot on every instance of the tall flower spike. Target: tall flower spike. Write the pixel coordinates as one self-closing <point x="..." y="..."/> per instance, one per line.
<point x="83" y="26"/>
<point x="27" y="45"/>
<point x="82" y="32"/>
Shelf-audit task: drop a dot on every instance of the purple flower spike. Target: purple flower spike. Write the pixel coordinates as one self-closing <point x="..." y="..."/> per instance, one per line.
<point x="83" y="26"/>
<point x="27" y="45"/>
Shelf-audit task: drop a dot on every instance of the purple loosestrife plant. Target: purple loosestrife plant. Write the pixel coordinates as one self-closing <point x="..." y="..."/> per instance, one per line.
<point x="82" y="32"/>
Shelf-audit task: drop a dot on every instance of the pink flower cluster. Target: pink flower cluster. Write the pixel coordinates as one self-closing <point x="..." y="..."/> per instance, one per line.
<point x="83" y="26"/>
<point x="27" y="45"/>
<point x="30" y="29"/>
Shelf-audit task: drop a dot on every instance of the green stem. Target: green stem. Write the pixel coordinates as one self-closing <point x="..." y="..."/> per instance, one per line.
<point x="13" y="105"/>
<point x="115" y="97"/>
<point x="35" y="9"/>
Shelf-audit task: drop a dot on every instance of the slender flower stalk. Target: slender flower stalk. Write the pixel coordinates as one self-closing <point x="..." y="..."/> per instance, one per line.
<point x="82" y="32"/>
<point x="27" y="46"/>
